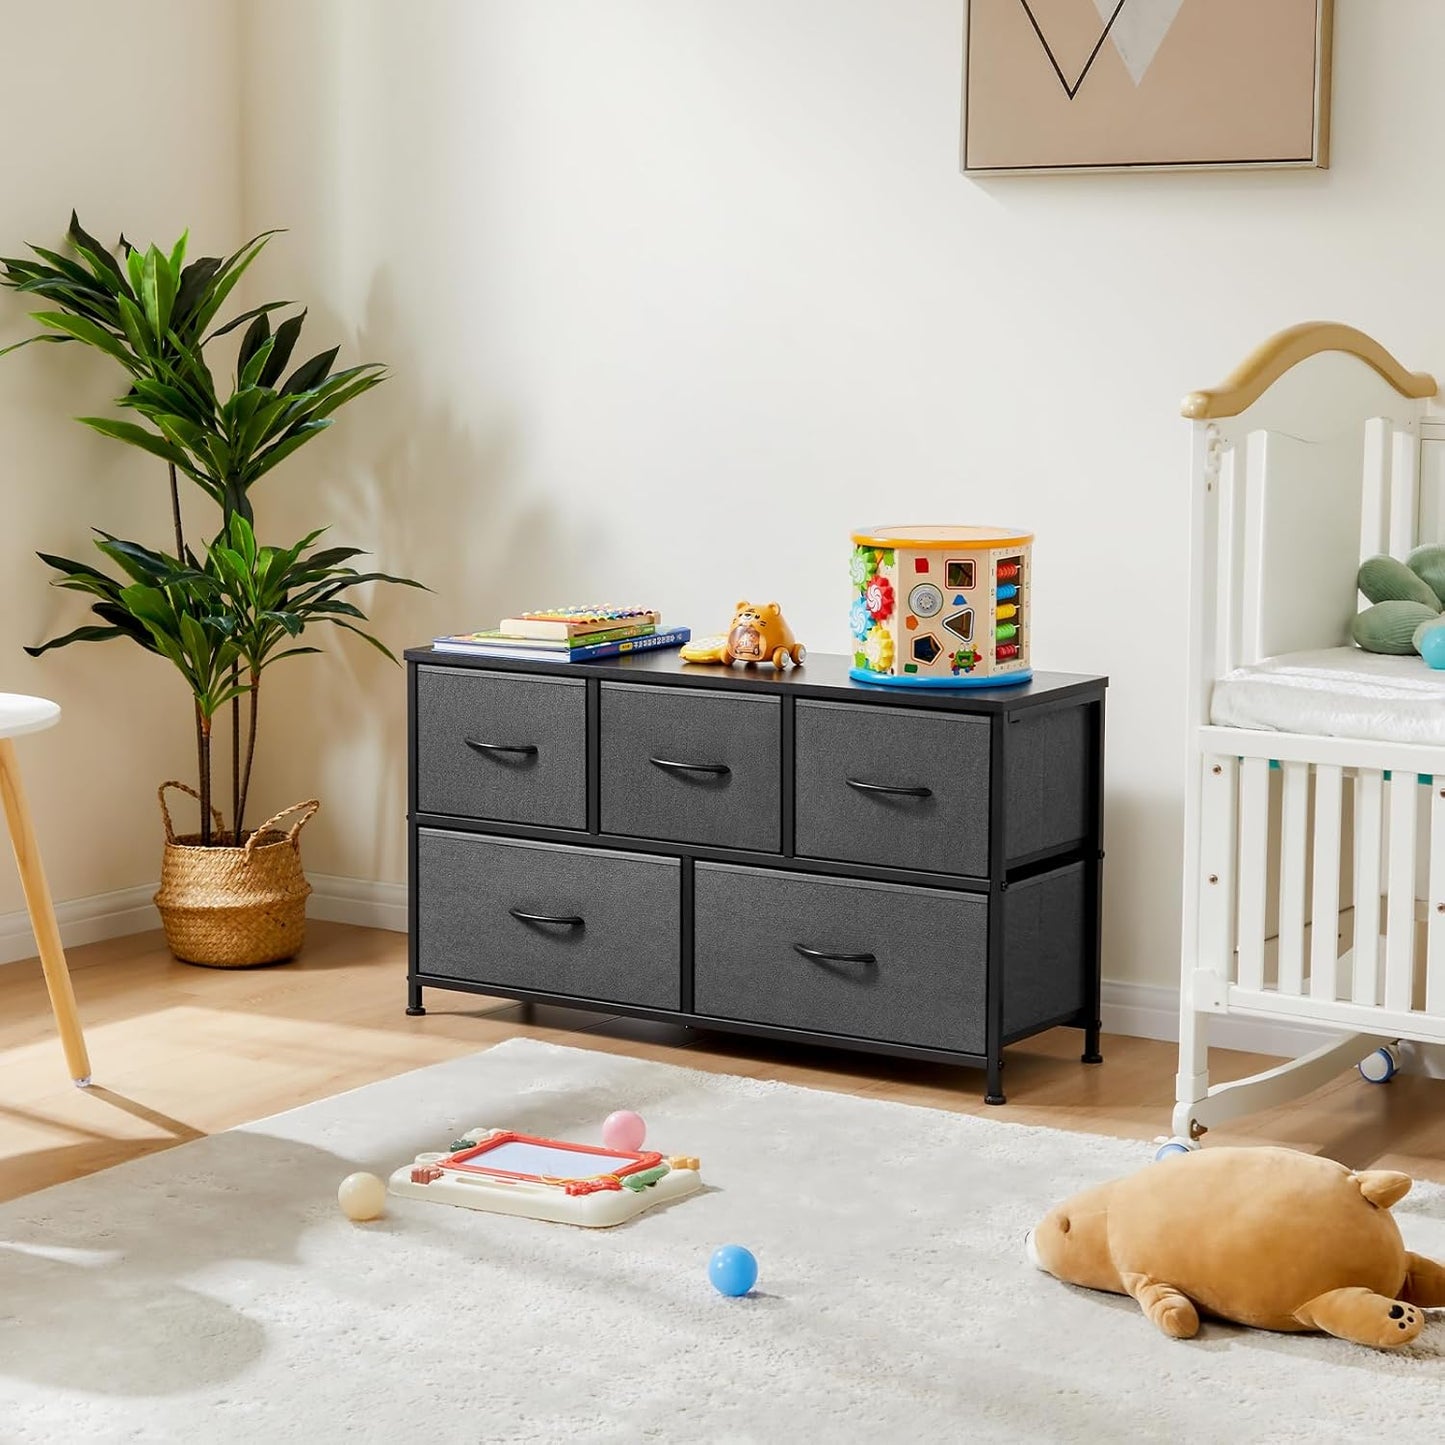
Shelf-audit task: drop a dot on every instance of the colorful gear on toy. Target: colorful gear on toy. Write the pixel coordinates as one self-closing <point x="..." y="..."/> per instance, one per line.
<point x="878" y="649"/>
<point x="863" y="565"/>
<point x="879" y="598"/>
<point x="858" y="618"/>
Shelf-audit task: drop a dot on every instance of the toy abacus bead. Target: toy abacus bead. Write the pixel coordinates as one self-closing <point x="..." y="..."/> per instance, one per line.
<point x="929" y="600"/>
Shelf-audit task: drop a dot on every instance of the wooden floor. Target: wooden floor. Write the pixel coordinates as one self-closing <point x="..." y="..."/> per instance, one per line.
<point x="180" y="1052"/>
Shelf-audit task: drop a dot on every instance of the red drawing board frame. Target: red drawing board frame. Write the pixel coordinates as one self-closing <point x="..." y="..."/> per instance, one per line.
<point x="465" y="1160"/>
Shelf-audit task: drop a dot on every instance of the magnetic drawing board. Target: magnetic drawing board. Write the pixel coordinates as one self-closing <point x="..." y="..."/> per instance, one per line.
<point x="508" y="1173"/>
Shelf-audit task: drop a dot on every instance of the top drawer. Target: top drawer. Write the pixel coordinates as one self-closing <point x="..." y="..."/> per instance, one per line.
<point x="692" y="766"/>
<point x="893" y="786"/>
<point x="502" y="746"/>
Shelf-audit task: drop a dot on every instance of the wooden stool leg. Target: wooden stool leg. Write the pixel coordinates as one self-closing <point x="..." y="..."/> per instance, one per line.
<point x="42" y="914"/>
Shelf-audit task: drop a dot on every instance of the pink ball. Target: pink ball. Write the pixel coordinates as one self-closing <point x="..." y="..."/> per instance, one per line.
<point x="624" y="1130"/>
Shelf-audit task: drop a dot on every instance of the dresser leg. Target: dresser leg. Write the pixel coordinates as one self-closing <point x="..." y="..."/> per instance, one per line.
<point x="994" y="1095"/>
<point x="413" y="1001"/>
<point x="1091" y="1053"/>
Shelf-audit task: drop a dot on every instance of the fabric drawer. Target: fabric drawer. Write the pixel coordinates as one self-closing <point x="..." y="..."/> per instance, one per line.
<point x="691" y="766"/>
<point x="867" y="960"/>
<point x="502" y="746"/>
<point x="893" y="786"/>
<point x="587" y="923"/>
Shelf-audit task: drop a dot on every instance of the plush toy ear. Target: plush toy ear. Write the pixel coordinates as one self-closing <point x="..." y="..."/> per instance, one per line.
<point x="1383" y="1187"/>
<point x="774" y="609"/>
<point x="742" y="606"/>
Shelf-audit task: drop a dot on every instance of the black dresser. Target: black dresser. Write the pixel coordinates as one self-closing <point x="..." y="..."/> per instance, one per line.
<point x="799" y="856"/>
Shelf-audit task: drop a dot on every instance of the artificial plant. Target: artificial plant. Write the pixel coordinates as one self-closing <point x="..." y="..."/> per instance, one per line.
<point x="222" y="616"/>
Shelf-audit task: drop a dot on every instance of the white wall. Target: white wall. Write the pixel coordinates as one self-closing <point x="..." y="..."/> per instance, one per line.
<point x="676" y="293"/>
<point x="132" y="115"/>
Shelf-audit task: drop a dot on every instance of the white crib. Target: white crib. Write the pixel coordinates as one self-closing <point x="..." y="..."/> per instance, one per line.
<point x="1314" y="873"/>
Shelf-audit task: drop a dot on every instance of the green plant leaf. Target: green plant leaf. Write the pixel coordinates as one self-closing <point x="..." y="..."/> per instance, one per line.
<point x="30" y="340"/>
<point x="286" y="336"/>
<point x="252" y="370"/>
<point x="83" y="329"/>
<point x="231" y="271"/>
<point x="136" y="436"/>
<point x="309" y="373"/>
<point x="81" y="634"/>
<point x="98" y="257"/>
<point x="258" y="331"/>
<point x="283" y="449"/>
<point x="244" y="317"/>
<point x="194" y="280"/>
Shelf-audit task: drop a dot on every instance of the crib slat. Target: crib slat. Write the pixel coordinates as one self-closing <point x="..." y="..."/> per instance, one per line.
<point x="1404" y="492"/>
<point x="1219" y="811"/>
<point x="1229" y="559"/>
<point x="1400" y="893"/>
<point x="1325" y="915"/>
<point x="1251" y="572"/>
<point x="1368" y="787"/>
<point x="1253" y="870"/>
<point x="1292" y="860"/>
<point x="1376" y="495"/>
<point x="1435" y="902"/>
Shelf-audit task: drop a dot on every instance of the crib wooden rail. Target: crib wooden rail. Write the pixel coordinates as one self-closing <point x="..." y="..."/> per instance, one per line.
<point x="1285" y="350"/>
<point x="1392" y="882"/>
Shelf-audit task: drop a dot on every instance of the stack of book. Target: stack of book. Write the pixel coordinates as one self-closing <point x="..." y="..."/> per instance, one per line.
<point x="569" y="634"/>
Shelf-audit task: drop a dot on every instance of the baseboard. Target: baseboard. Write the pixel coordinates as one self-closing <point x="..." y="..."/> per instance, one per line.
<point x="1146" y="1011"/>
<point x="130" y="910"/>
<point x="83" y="920"/>
<point x="1150" y="1011"/>
<point x="355" y="900"/>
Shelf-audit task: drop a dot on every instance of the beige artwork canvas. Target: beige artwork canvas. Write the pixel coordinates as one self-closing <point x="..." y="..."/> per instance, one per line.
<point x="1057" y="85"/>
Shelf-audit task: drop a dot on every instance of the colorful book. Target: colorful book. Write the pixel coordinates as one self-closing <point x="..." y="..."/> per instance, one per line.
<point x="498" y="638"/>
<point x="672" y="637"/>
<point x="568" y="622"/>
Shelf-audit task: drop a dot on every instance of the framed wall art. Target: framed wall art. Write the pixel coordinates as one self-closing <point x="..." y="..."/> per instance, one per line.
<point x="1105" y="85"/>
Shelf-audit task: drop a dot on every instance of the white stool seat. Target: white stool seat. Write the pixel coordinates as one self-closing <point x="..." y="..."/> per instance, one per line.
<point x="21" y="714"/>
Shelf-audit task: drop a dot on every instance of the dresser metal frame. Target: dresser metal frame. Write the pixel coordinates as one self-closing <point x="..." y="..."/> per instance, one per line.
<point x="823" y="678"/>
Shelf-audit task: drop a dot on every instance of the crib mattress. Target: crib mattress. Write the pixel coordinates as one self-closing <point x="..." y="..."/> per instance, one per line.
<point x="1338" y="692"/>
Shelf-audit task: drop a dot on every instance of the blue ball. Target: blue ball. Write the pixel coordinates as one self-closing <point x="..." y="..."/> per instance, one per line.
<point x="1432" y="645"/>
<point x="732" y="1269"/>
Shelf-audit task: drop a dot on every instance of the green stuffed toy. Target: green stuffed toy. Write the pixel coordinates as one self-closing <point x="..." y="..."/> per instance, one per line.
<point x="1408" y="598"/>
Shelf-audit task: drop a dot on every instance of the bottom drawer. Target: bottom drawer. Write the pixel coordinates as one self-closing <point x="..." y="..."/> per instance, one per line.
<point x="576" y="921"/>
<point x="870" y="960"/>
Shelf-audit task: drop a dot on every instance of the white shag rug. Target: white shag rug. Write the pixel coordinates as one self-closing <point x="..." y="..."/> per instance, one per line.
<point x="215" y="1293"/>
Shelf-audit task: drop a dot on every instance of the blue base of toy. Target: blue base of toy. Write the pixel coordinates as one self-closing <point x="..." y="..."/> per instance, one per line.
<point x="887" y="679"/>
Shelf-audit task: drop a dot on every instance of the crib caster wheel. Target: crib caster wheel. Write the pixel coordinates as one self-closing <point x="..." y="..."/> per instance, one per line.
<point x="1175" y="1145"/>
<point x="1381" y="1066"/>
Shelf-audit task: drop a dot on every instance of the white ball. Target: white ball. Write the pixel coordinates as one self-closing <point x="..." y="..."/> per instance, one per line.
<point x="362" y="1197"/>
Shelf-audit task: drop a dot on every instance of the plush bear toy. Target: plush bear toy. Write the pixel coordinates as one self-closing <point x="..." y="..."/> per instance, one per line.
<point x="1266" y="1237"/>
<point x="1408" y="597"/>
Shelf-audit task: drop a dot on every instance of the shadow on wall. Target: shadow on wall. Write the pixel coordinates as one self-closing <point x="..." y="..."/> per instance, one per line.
<point x="430" y="494"/>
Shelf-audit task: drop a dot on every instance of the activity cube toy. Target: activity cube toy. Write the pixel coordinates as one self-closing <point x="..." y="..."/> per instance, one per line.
<point x="941" y="606"/>
<point x="509" y="1173"/>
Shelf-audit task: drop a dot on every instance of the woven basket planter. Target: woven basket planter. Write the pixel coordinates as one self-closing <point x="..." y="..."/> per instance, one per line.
<point x="234" y="907"/>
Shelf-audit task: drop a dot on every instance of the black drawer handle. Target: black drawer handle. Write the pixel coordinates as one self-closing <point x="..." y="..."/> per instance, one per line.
<point x="525" y="750"/>
<point x="819" y="956"/>
<point x="886" y="788"/>
<point x="562" y="920"/>
<point x="717" y="770"/>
